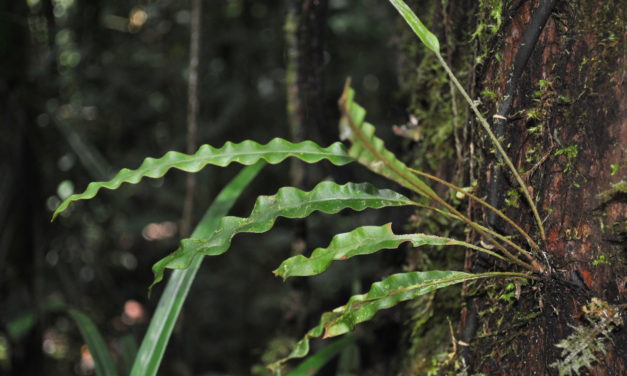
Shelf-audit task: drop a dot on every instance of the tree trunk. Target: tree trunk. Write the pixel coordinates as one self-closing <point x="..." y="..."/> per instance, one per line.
<point x="565" y="133"/>
<point x="23" y="228"/>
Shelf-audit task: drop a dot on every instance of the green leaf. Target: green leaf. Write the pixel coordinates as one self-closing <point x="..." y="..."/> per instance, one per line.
<point x="327" y="197"/>
<point x="314" y="363"/>
<point x="128" y="347"/>
<point x="19" y="326"/>
<point x="361" y="241"/>
<point x="427" y="37"/>
<point x="162" y="323"/>
<point x="385" y="294"/>
<point x="370" y="150"/>
<point x="97" y="347"/>
<point x="247" y="153"/>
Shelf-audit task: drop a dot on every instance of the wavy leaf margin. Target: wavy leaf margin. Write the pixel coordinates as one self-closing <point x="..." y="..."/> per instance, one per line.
<point x="246" y="153"/>
<point x="155" y="341"/>
<point x="369" y="150"/>
<point x="382" y="295"/>
<point x="288" y="202"/>
<point x="363" y="240"/>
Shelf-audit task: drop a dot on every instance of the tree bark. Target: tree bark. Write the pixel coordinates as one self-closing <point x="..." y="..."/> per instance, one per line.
<point x="562" y="111"/>
<point x="566" y="131"/>
<point x="23" y="228"/>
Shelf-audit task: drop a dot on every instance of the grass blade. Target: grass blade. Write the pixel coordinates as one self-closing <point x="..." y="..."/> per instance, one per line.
<point x="97" y="347"/>
<point x="246" y="153"/>
<point x="160" y="329"/>
<point x="314" y="363"/>
<point x="327" y="197"/>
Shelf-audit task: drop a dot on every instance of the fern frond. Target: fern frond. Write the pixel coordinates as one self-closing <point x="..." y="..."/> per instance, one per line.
<point x="327" y="197"/>
<point x="361" y="241"/>
<point x="246" y="153"/>
<point x="385" y="294"/>
<point x="369" y="150"/>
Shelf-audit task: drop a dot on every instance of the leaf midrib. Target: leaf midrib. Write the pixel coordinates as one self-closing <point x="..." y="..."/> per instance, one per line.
<point x="212" y="156"/>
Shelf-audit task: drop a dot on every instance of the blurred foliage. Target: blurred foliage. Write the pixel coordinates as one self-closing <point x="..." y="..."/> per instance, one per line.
<point x="89" y="87"/>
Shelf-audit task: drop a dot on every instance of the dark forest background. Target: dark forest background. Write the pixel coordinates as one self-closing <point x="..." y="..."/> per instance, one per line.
<point x="89" y="87"/>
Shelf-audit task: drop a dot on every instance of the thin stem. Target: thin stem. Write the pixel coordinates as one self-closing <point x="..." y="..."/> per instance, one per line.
<point x="497" y="144"/>
<point x="489" y="231"/>
<point x="422" y="191"/>
<point x="482" y="202"/>
<point x="192" y="113"/>
<point x="480" y="249"/>
<point x="508" y="274"/>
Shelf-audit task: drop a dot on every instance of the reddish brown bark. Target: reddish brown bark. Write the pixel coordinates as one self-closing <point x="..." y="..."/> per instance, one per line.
<point x="571" y="97"/>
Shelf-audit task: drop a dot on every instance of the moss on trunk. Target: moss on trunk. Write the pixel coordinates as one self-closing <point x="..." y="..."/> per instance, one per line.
<point x="565" y="133"/>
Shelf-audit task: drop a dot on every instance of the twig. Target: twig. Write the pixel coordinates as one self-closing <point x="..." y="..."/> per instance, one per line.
<point x="485" y="204"/>
<point x="192" y="113"/>
<point x="497" y="144"/>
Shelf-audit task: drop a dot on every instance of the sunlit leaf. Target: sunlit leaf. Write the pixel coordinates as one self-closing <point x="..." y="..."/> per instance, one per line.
<point x="427" y="37"/>
<point x="327" y="197"/>
<point x="361" y="241"/>
<point x="246" y="153"/>
<point x="369" y="150"/>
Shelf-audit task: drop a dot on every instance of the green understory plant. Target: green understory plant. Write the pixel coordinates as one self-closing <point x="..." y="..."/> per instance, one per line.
<point x="213" y="235"/>
<point x="19" y="326"/>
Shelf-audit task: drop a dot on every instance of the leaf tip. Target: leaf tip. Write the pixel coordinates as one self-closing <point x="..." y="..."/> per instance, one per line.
<point x="60" y="209"/>
<point x="155" y="282"/>
<point x="277" y="273"/>
<point x="344" y="97"/>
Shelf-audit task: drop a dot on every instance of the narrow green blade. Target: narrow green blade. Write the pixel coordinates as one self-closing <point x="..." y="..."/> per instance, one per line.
<point x="288" y="202"/>
<point x="364" y="240"/>
<point x="369" y="150"/>
<point x="385" y="294"/>
<point x="97" y="347"/>
<point x="314" y="363"/>
<point x="246" y="153"/>
<point x="160" y="329"/>
<point x="427" y="37"/>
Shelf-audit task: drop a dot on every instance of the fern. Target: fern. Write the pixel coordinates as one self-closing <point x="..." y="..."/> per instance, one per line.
<point x="326" y="197"/>
<point x="246" y="153"/>
<point x="361" y="241"/>
<point x="369" y="150"/>
<point x="385" y="294"/>
<point x="213" y="237"/>
<point x="432" y="43"/>
<point x="580" y="349"/>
